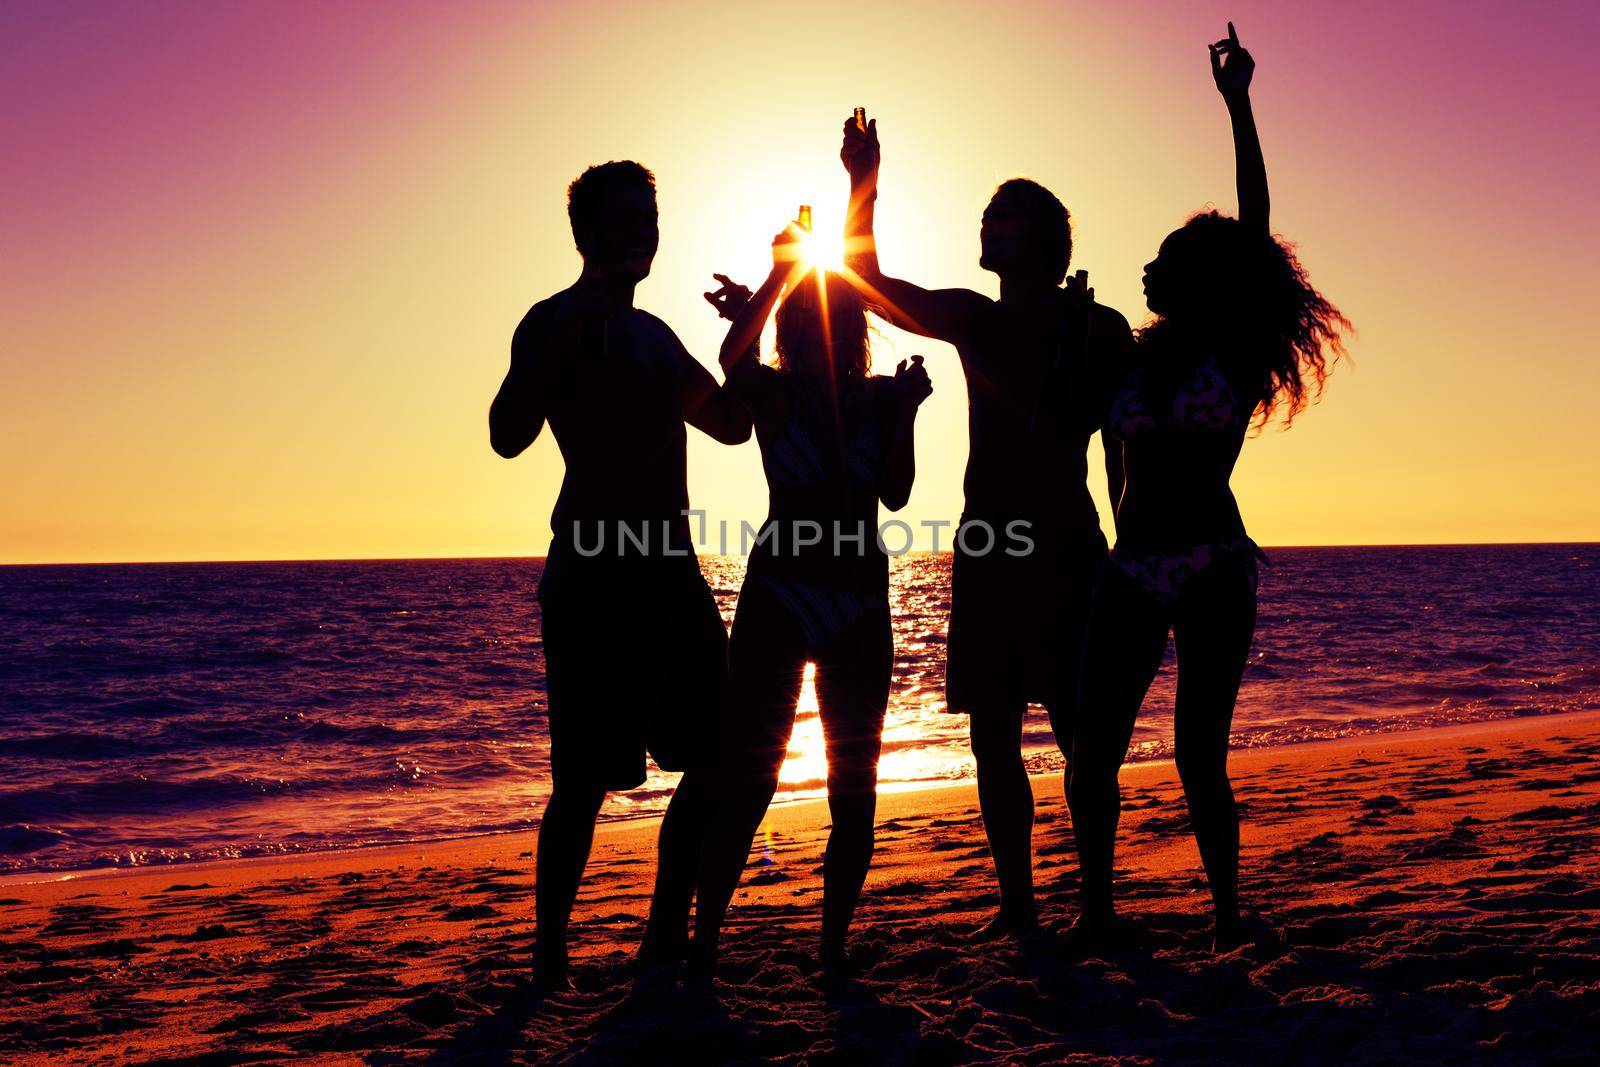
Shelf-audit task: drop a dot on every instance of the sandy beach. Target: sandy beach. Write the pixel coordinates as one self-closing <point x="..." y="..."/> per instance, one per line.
<point x="1433" y="896"/>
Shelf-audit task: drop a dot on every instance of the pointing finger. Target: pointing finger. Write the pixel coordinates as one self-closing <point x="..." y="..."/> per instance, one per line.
<point x="1233" y="37"/>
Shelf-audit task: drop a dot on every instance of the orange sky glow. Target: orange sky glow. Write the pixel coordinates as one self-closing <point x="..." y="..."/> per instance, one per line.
<point x="262" y="263"/>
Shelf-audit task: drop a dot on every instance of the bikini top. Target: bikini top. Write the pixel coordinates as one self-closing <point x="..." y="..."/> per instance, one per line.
<point x="792" y="424"/>
<point x="814" y="478"/>
<point x="1205" y="401"/>
<point x="795" y="457"/>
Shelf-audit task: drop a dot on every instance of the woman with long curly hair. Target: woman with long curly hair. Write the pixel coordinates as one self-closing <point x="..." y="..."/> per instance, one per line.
<point x="1237" y="335"/>
<point x="836" y="440"/>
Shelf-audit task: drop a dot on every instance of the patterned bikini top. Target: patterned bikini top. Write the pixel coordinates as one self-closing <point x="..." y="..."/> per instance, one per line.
<point x="794" y="457"/>
<point x="1203" y="402"/>
<point x="792" y="423"/>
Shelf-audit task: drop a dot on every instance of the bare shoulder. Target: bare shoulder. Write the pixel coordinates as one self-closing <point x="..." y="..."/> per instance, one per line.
<point x="657" y="329"/>
<point x="969" y="302"/>
<point x="1108" y="320"/>
<point x="664" y="345"/>
<point x="974" y="315"/>
<point x="535" y="318"/>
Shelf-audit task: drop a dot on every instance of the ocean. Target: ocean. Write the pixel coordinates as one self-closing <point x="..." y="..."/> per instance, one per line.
<point x="169" y="712"/>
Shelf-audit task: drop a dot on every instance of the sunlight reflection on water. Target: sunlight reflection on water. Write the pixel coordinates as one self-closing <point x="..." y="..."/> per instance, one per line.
<point x="162" y="712"/>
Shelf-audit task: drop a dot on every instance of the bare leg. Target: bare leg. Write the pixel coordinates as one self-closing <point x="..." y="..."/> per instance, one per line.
<point x="678" y="852"/>
<point x="1127" y="640"/>
<point x="1079" y="575"/>
<point x="565" y="834"/>
<point x="693" y="643"/>
<point x="852" y="696"/>
<point x="1005" y="797"/>
<point x="1216" y="619"/>
<point x="844" y="866"/>
<point x="733" y="830"/>
<point x="767" y="664"/>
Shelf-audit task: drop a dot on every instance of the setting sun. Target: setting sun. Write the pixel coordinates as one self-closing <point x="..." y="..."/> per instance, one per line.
<point x="534" y="533"/>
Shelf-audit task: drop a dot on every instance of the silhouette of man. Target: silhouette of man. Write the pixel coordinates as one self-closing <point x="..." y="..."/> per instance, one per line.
<point x="1040" y="365"/>
<point x="635" y="650"/>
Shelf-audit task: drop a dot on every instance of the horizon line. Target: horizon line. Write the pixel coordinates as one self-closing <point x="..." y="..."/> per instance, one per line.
<point x="532" y="556"/>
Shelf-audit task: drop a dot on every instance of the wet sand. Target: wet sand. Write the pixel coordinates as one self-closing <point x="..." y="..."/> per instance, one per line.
<point x="1433" y="896"/>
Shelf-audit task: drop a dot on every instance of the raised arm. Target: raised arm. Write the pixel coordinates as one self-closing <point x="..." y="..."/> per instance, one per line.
<point x="1231" y="69"/>
<point x="544" y="344"/>
<point x="744" y="336"/>
<point x="942" y="314"/>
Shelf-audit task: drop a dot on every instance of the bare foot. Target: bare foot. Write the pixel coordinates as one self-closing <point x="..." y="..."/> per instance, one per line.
<point x="1235" y="932"/>
<point x="1008" y="925"/>
<point x="837" y="963"/>
<point x="548" y="980"/>
<point x="702" y="963"/>
<point x="661" y="951"/>
<point x="550" y="970"/>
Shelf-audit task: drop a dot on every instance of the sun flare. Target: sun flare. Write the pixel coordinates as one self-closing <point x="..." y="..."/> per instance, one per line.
<point x="822" y="248"/>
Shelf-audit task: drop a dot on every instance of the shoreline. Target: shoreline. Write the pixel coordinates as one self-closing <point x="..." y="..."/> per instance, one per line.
<point x="1427" y="896"/>
<point x="335" y="856"/>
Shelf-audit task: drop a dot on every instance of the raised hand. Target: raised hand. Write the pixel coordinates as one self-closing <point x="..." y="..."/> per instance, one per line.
<point x="859" y="153"/>
<point x="786" y="247"/>
<point x="912" y="383"/>
<point x="730" y="299"/>
<point x="1077" y="295"/>
<point x="1233" y="76"/>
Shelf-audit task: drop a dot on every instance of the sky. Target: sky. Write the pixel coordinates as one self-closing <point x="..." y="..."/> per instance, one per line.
<point x="260" y="262"/>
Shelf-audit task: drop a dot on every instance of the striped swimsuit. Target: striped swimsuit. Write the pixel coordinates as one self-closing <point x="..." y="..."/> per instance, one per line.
<point x="824" y="590"/>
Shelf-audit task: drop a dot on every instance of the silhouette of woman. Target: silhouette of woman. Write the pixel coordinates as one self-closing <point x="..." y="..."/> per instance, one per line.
<point x="1236" y="330"/>
<point x="835" y="441"/>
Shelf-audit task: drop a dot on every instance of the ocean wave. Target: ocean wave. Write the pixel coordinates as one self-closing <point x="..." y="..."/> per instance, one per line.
<point x="70" y="746"/>
<point x="162" y="713"/>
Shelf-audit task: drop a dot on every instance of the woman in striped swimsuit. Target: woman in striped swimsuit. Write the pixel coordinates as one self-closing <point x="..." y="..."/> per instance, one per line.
<point x="1237" y="331"/>
<point x="835" y="441"/>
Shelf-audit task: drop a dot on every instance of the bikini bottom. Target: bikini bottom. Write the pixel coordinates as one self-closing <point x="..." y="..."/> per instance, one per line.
<point x="1162" y="575"/>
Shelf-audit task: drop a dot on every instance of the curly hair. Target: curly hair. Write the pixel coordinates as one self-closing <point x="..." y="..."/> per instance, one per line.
<point x="1282" y="336"/>
<point x="824" y="300"/>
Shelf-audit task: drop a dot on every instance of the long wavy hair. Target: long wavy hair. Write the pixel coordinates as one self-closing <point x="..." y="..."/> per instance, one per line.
<point x="1277" y="333"/>
<point x="822" y="322"/>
